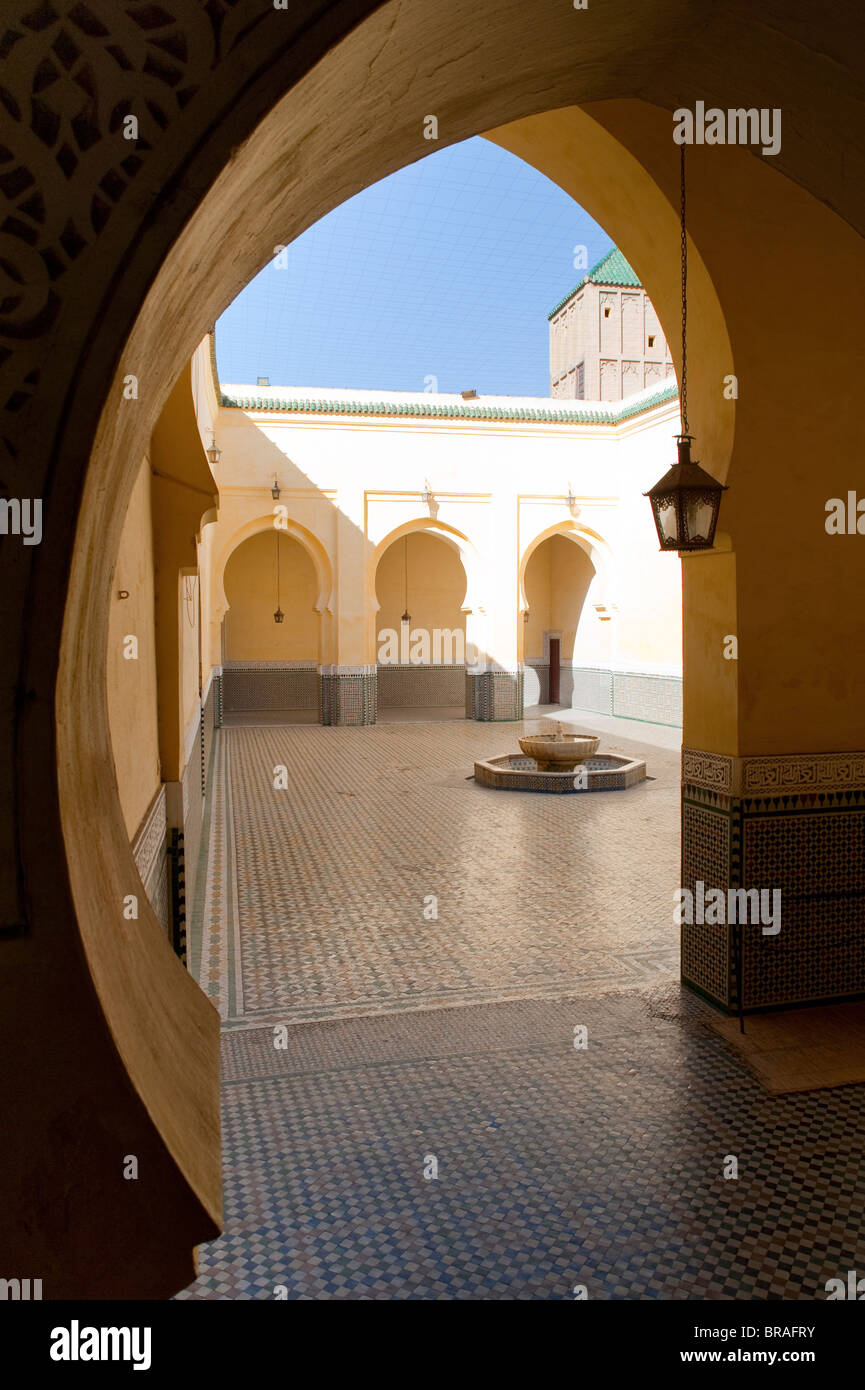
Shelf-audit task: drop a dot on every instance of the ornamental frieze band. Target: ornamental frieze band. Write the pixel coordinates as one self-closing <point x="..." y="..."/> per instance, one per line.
<point x="774" y="775"/>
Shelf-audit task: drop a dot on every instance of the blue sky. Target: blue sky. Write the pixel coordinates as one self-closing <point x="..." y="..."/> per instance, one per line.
<point x="446" y="269"/>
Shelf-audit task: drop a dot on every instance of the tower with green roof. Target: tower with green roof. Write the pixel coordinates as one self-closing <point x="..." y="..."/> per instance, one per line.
<point x="606" y="342"/>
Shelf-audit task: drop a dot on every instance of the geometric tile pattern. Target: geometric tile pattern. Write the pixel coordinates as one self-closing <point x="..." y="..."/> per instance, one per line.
<point x="624" y="694"/>
<point x="654" y="699"/>
<point x="348" y="698"/>
<point x="814" y="852"/>
<point x="213" y="935"/>
<point x="808" y="843"/>
<point x="315" y="894"/>
<point x="707" y="949"/>
<point x="420" y="686"/>
<point x="494" y="695"/>
<point x="556" y="1167"/>
<point x="246" y="688"/>
<point x="593" y="689"/>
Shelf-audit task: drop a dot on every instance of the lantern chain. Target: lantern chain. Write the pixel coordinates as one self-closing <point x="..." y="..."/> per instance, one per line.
<point x="684" y="386"/>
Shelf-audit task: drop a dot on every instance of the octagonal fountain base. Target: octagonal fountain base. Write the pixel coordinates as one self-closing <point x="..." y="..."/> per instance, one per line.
<point x="603" y="773"/>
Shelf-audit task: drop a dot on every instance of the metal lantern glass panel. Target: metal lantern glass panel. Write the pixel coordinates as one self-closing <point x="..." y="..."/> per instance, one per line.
<point x="685" y="504"/>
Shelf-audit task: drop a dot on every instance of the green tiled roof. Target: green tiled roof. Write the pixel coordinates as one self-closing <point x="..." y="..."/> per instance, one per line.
<point x="611" y="269"/>
<point x="577" y="415"/>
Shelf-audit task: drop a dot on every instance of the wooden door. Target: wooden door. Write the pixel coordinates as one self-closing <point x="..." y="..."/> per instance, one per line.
<point x="555" y="663"/>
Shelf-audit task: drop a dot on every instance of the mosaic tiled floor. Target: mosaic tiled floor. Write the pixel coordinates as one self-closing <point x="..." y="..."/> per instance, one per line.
<point x="315" y="897"/>
<point x="557" y="1167"/>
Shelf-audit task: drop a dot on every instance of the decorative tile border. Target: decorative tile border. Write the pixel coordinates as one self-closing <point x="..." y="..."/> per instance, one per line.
<point x="149" y="849"/>
<point x="650" y="698"/>
<point x="775" y="775"/>
<point x="713" y="771"/>
<point x="151" y="837"/>
<point x="515" y="773"/>
<point x="269" y="666"/>
<point x="444" y="408"/>
<point x="804" y="772"/>
<point x="646" y="696"/>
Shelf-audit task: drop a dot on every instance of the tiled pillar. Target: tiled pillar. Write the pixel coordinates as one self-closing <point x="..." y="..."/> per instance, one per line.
<point x="348" y="694"/>
<point x="791" y="822"/>
<point x="493" y="696"/>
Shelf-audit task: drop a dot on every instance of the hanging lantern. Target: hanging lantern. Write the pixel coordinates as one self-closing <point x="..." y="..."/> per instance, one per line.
<point x="278" y="616"/>
<point x="686" y="501"/>
<point x="405" y="620"/>
<point x="214" y="453"/>
<point x="274" y="491"/>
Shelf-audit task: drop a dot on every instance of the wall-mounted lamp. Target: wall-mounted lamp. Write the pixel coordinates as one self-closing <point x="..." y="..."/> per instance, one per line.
<point x="525" y="615"/>
<point x="123" y="593"/>
<point x="274" y="491"/>
<point x="429" y="498"/>
<point x="214" y="453"/>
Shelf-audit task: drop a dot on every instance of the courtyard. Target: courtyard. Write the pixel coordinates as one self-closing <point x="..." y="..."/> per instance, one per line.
<point x="561" y="1171"/>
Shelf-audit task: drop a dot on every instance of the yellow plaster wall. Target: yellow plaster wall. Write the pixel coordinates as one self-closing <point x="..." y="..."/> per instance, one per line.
<point x="131" y="683"/>
<point x="713" y="701"/>
<point x="787" y="443"/>
<point x="537" y="586"/>
<point x="558" y="576"/>
<point x="436" y="584"/>
<point x="250" y="588"/>
<point x="187" y="621"/>
<point x="183" y="494"/>
<point x="571" y="573"/>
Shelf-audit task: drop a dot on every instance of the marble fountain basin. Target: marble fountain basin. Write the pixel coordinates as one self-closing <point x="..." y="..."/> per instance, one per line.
<point x="547" y="762"/>
<point x="559" y="752"/>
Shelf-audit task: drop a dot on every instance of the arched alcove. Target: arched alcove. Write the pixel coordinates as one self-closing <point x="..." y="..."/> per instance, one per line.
<point x="421" y="664"/>
<point x="557" y="580"/>
<point x="270" y="667"/>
